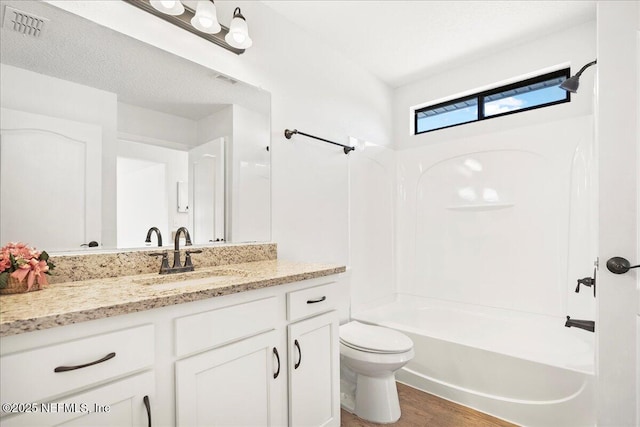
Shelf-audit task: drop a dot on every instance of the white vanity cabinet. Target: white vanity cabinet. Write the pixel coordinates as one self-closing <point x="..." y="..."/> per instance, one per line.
<point x="265" y="357"/>
<point x="273" y="363"/>
<point x="314" y="357"/>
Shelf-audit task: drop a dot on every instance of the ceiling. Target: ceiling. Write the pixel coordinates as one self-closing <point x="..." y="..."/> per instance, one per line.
<point x="398" y="41"/>
<point x="402" y="41"/>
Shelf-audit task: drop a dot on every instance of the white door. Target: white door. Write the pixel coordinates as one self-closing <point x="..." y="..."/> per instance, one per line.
<point x="239" y="384"/>
<point x="204" y="200"/>
<point x="141" y="201"/>
<point x="617" y="141"/>
<point x="50" y="181"/>
<point x="121" y="404"/>
<point x="207" y="198"/>
<point x="314" y="383"/>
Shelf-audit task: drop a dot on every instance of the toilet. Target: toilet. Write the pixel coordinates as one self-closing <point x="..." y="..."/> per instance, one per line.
<point x="373" y="354"/>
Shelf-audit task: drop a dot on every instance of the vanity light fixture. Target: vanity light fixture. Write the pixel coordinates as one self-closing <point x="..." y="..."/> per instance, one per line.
<point x="202" y="21"/>
<point x="238" y="35"/>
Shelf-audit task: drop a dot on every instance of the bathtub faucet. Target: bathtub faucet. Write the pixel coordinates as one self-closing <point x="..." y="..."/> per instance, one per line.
<point x="587" y="325"/>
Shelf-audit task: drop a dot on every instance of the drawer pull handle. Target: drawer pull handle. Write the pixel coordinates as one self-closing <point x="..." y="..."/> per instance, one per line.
<point x="275" y="352"/>
<point x="313" y="301"/>
<point x="297" y="345"/>
<point x="73" y="368"/>
<point x="148" y="406"/>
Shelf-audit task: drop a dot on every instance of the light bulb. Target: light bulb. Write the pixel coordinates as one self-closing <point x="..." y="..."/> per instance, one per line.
<point x="239" y="37"/>
<point x="206" y="18"/>
<point x="168" y="7"/>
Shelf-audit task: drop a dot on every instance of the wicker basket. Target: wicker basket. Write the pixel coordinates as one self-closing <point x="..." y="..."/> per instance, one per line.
<point x="14" y="286"/>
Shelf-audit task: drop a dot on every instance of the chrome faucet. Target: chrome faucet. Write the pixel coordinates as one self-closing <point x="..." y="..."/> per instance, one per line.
<point x="151" y="230"/>
<point x="587" y="325"/>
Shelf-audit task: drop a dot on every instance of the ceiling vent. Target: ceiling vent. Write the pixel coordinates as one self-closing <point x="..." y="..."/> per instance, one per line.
<point x="23" y="22"/>
<point x="227" y="79"/>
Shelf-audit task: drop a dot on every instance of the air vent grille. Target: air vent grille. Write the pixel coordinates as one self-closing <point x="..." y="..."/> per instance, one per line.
<point x="23" y="22"/>
<point x="226" y="79"/>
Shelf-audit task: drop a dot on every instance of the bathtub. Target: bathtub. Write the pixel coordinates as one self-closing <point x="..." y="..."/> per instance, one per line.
<point x="524" y="368"/>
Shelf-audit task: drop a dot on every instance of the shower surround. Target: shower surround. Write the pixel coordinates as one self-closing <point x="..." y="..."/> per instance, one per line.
<point x="492" y="234"/>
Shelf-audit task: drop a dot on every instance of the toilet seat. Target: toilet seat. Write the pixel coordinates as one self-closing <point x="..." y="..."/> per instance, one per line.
<point x="374" y="339"/>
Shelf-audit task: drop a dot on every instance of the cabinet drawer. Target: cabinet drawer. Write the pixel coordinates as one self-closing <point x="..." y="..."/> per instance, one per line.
<point x="29" y="376"/>
<point x="217" y="327"/>
<point x="310" y="301"/>
<point x="119" y="403"/>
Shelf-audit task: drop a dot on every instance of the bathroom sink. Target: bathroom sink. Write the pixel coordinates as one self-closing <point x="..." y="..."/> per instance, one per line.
<point x="198" y="277"/>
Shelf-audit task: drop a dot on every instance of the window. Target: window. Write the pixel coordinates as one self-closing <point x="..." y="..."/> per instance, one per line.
<point x="541" y="91"/>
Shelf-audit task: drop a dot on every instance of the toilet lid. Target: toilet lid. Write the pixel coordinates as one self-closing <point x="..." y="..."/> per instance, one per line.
<point x="374" y="339"/>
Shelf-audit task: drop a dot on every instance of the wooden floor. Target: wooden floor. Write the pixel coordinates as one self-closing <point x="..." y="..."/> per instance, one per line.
<point x="421" y="409"/>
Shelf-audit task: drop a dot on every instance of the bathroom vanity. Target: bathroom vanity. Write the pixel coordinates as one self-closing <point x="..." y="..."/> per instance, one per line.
<point x="252" y="343"/>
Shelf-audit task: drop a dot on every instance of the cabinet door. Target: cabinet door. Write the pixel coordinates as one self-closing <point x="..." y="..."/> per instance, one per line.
<point x="234" y="385"/>
<point x="314" y="372"/>
<point x="121" y="403"/>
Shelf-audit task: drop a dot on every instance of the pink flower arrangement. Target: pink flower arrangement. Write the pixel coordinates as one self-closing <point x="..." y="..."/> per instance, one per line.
<point x="22" y="262"/>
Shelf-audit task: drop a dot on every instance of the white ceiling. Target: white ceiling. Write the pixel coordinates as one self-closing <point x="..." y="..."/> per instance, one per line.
<point x="401" y="41"/>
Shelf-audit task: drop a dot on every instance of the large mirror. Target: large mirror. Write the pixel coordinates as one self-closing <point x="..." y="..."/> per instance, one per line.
<point x="104" y="137"/>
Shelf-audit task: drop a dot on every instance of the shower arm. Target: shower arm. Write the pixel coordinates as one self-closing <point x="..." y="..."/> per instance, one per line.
<point x="579" y="73"/>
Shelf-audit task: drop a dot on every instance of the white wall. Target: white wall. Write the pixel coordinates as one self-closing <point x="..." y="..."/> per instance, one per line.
<point x="175" y="169"/>
<point x="142" y="124"/>
<point x="216" y="125"/>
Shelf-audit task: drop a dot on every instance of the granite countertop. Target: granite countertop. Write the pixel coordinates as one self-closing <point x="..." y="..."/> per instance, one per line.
<point x="72" y="302"/>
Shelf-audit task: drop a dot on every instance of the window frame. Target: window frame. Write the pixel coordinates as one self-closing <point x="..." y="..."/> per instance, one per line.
<point x="480" y="97"/>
